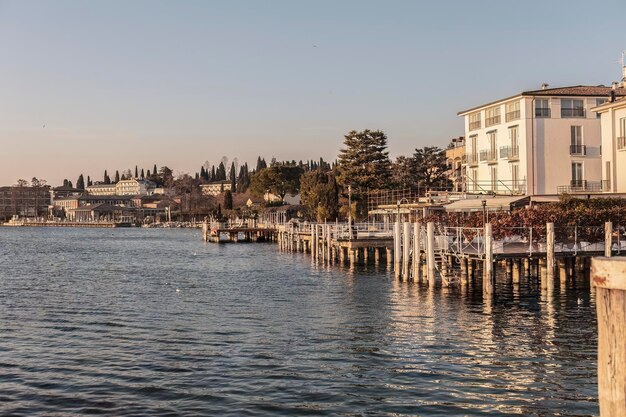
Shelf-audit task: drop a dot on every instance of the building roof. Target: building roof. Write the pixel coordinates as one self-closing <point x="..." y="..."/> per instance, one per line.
<point x="491" y="203"/>
<point x="106" y="197"/>
<point x="620" y="102"/>
<point x="571" y="91"/>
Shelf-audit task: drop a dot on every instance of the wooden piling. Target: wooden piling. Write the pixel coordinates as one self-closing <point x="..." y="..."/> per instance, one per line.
<point x="397" y="248"/>
<point x="430" y="249"/>
<point x="406" y="250"/>
<point x="488" y="269"/>
<point x="609" y="278"/>
<point x="417" y="251"/>
<point x="608" y="239"/>
<point x="550" y="255"/>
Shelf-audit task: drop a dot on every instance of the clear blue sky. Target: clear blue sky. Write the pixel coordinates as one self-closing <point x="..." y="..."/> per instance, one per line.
<point x="177" y="83"/>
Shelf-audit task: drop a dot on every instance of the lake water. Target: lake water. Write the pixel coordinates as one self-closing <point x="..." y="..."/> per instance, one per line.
<point x="157" y="323"/>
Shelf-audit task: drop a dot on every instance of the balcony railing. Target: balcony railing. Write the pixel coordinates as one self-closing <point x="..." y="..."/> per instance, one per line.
<point x="472" y="159"/>
<point x="621" y="142"/>
<point x="542" y="112"/>
<point x="512" y="115"/>
<point x="509" y="152"/>
<point x="577" y="112"/>
<point x="474" y="125"/>
<point x="583" y="186"/>
<point x="501" y="187"/>
<point x="490" y="121"/>
<point x="489" y="156"/>
<point x="578" y="150"/>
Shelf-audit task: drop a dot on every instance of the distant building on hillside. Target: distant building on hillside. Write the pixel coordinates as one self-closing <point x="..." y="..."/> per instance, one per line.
<point x="537" y="142"/>
<point x="215" y="188"/>
<point x="123" y="187"/>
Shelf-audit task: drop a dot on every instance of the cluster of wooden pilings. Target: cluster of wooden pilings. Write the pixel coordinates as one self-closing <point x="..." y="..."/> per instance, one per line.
<point x="323" y="244"/>
<point x="419" y="256"/>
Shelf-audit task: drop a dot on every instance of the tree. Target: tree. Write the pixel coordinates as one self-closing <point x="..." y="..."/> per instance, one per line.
<point x="431" y="167"/>
<point x="220" y="174"/>
<point x="106" y="178"/>
<point x="22" y="183"/>
<point x="233" y="178"/>
<point x="403" y="173"/>
<point x="364" y="161"/>
<point x="278" y="179"/>
<point x="228" y="200"/>
<point x="117" y="177"/>
<point x="80" y="182"/>
<point x="136" y="172"/>
<point x="143" y="176"/>
<point x="320" y="193"/>
<point x="89" y="183"/>
<point x="260" y="164"/>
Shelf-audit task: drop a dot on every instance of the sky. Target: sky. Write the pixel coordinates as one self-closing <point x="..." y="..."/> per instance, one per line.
<point x="89" y="86"/>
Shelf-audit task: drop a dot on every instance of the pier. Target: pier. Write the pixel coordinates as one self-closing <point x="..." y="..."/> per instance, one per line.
<point x="440" y="255"/>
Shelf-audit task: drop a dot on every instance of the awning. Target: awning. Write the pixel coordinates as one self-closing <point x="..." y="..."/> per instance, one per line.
<point x="491" y="203"/>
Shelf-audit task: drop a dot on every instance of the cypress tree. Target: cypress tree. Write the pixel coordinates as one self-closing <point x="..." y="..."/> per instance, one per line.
<point x="89" y="183"/>
<point x="228" y="200"/>
<point x="142" y="174"/>
<point x="233" y="178"/>
<point x="80" y="182"/>
<point x="117" y="177"/>
<point x="154" y="170"/>
<point x="136" y="172"/>
<point x="213" y="174"/>
<point x="106" y="178"/>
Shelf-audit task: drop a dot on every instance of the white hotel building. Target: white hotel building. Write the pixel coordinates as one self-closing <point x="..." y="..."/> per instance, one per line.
<point x="613" y="119"/>
<point x="537" y="142"/>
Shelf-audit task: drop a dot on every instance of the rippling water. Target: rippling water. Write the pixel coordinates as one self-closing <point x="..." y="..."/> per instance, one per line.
<point x="154" y="322"/>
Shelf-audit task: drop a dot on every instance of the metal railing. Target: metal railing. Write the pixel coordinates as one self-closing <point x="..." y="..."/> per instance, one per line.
<point x="512" y="115"/>
<point x="621" y="142"/>
<point x="501" y="187"/>
<point x="490" y="121"/>
<point x="509" y="152"/>
<point x="474" y="125"/>
<point x="583" y="186"/>
<point x="578" y="150"/>
<point x="542" y="112"/>
<point x="572" y="112"/>
<point x="472" y="159"/>
<point x="489" y="155"/>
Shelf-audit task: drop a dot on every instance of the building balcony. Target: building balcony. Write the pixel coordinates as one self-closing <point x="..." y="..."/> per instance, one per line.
<point x="512" y="115"/>
<point x="579" y="150"/>
<point x="472" y="159"/>
<point x="621" y="142"/>
<point x="499" y="187"/>
<point x="542" y="112"/>
<point x="509" y="152"/>
<point x="474" y="125"/>
<point x="490" y="121"/>
<point x="491" y="157"/>
<point x="565" y="112"/>
<point x="583" y="186"/>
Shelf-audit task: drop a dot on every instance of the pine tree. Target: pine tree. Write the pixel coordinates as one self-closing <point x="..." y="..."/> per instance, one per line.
<point x="364" y="161"/>
<point x="80" y="182"/>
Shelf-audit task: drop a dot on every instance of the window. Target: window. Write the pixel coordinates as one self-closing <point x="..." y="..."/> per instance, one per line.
<point x="542" y="107"/>
<point x="572" y="108"/>
<point x="607" y="178"/>
<point x="474" y="179"/>
<point x="576" y="141"/>
<point x="512" y="111"/>
<point x="515" y="177"/>
<point x="599" y="102"/>
<point x="474" y="121"/>
<point x="492" y="116"/>
<point x="514" y="137"/>
<point x="577" y="174"/>
<point x="494" y="178"/>
<point x="493" y="148"/>
<point x="621" y="139"/>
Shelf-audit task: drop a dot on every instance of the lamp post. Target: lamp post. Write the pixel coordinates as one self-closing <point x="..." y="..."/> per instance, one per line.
<point x="484" y="203"/>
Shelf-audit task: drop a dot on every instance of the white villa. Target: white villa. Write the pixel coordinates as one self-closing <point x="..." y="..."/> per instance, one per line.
<point x="613" y="121"/>
<point x="123" y="187"/>
<point x="537" y="142"/>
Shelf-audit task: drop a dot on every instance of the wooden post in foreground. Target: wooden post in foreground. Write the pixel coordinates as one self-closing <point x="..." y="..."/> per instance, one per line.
<point x="608" y="276"/>
<point x="397" y="249"/>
